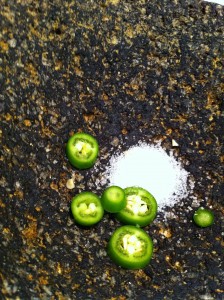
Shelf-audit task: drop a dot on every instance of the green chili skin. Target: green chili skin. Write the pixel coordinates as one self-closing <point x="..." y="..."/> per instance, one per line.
<point x="130" y="247"/>
<point x="203" y="217"/>
<point x="113" y="199"/>
<point x="87" y="209"/>
<point x="141" y="207"/>
<point x="82" y="150"/>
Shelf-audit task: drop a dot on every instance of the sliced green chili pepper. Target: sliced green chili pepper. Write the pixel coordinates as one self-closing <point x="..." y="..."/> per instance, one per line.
<point x="141" y="207"/>
<point x="130" y="247"/>
<point x="87" y="209"/>
<point x="113" y="199"/>
<point x="203" y="217"/>
<point x="82" y="150"/>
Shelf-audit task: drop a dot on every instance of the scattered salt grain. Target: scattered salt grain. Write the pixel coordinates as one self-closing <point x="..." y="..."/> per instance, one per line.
<point x="150" y="167"/>
<point x="174" y="144"/>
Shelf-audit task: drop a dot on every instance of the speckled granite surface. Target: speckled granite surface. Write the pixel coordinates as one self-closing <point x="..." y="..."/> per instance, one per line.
<point x="122" y="71"/>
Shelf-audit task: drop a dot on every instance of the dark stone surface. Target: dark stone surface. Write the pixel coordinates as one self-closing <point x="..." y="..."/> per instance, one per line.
<point x="123" y="71"/>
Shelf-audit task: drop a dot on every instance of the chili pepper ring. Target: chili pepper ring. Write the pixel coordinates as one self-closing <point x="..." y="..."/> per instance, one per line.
<point x="82" y="150"/>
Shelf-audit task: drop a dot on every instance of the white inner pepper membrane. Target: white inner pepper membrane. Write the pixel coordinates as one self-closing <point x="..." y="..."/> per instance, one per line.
<point x="136" y="205"/>
<point x="84" y="148"/>
<point x="87" y="209"/>
<point x="131" y="244"/>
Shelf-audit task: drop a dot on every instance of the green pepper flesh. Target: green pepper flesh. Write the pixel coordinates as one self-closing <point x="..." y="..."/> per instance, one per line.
<point x="113" y="199"/>
<point x="203" y="217"/>
<point x="82" y="150"/>
<point x="141" y="207"/>
<point x="130" y="247"/>
<point x="87" y="209"/>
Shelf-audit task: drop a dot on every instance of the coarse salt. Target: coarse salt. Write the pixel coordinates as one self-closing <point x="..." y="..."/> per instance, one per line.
<point x="216" y="1"/>
<point x="150" y="167"/>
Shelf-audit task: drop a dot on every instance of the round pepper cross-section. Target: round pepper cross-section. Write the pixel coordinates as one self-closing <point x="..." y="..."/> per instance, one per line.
<point x="82" y="150"/>
<point x="87" y="209"/>
<point x="113" y="199"/>
<point x="203" y="217"/>
<point x="130" y="247"/>
<point x="141" y="207"/>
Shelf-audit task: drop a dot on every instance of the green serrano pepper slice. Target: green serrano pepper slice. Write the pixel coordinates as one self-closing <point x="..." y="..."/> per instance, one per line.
<point x="203" y="217"/>
<point x="113" y="199"/>
<point x="141" y="207"/>
<point x="130" y="247"/>
<point x="82" y="150"/>
<point x="87" y="209"/>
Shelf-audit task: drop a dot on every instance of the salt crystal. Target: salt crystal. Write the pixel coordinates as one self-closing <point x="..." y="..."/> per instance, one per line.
<point x="174" y="144"/>
<point x="151" y="168"/>
<point x="216" y="1"/>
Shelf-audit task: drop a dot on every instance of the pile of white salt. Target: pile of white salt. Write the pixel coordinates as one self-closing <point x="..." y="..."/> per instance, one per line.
<point x="150" y="167"/>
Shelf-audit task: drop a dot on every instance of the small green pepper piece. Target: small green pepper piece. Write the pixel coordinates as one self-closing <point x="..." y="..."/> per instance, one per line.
<point x="203" y="217"/>
<point x="113" y="199"/>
